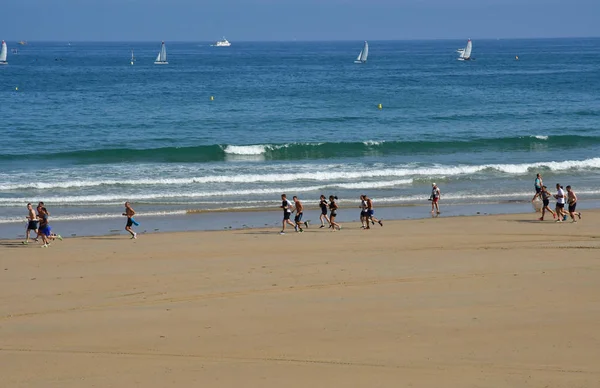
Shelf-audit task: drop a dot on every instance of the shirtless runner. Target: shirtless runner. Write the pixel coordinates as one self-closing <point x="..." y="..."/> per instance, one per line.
<point x="370" y="213"/>
<point x="129" y="213"/>
<point x="32" y="223"/>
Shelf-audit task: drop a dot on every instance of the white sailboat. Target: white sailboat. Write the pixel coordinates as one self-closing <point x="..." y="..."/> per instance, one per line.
<point x="161" y="59"/>
<point x="3" y="54"/>
<point x="364" y="53"/>
<point x="465" y="54"/>
<point x="132" y="57"/>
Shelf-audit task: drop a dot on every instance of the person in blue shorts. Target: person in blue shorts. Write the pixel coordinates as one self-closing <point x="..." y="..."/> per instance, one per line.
<point x="371" y="213"/>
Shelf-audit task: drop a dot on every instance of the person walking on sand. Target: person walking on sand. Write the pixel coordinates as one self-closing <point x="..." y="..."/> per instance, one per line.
<point x="572" y="200"/>
<point x="287" y="207"/>
<point x="299" y="208"/>
<point x="371" y="213"/>
<point x="323" y="206"/>
<point x="545" y="194"/>
<point x="435" y="199"/>
<point x="333" y="207"/>
<point x="363" y="213"/>
<point x="129" y="213"/>
<point x="32" y="223"/>
<point x="538" y="184"/>
<point x="560" y="203"/>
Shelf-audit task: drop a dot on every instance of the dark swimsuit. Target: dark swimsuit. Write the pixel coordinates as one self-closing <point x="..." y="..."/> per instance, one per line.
<point x="333" y="208"/>
<point x="323" y="205"/>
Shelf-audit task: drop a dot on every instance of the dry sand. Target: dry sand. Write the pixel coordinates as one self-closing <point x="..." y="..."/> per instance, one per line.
<point x="494" y="301"/>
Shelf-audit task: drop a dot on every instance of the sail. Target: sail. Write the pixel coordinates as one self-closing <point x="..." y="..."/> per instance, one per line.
<point x="163" y="52"/>
<point x="467" y="53"/>
<point x="364" y="53"/>
<point x="3" y="52"/>
<point x="157" y="58"/>
<point x="359" y="56"/>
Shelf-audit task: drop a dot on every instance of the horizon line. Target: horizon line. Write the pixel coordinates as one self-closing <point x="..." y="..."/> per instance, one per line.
<point x="304" y="41"/>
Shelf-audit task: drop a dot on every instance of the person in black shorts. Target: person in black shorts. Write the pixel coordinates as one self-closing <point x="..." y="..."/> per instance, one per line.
<point x="333" y="207"/>
<point x="32" y="223"/>
<point x="323" y="206"/>
<point x="287" y="207"/>
<point x="572" y="201"/>
<point x="545" y="195"/>
<point x="129" y="213"/>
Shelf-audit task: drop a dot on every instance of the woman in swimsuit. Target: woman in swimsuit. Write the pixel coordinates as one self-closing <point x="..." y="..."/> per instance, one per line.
<point x="323" y="206"/>
<point x="333" y="207"/>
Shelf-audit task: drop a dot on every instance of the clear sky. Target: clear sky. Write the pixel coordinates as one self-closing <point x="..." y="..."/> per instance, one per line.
<point x="259" y="20"/>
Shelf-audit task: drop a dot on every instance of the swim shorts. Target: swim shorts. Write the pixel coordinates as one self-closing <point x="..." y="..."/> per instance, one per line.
<point x="286" y="215"/>
<point x="572" y="207"/>
<point x="298" y="217"/>
<point x="546" y="202"/>
<point x="32" y="225"/>
<point x="129" y="222"/>
<point x="46" y="230"/>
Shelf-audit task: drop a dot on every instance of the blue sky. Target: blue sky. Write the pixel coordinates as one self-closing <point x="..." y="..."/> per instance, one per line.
<point x="243" y="20"/>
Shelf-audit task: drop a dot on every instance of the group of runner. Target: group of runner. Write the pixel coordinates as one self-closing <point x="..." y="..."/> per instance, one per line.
<point x="569" y="198"/>
<point x="39" y="224"/>
<point x="328" y="213"/>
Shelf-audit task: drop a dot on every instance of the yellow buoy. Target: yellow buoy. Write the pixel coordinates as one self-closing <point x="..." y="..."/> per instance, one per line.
<point x="212" y="98"/>
<point x="380" y="106"/>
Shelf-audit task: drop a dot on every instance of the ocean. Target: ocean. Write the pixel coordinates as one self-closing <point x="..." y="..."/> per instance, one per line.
<point x="84" y="131"/>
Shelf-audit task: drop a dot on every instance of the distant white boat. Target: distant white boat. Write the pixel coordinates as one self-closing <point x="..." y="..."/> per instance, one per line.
<point x="132" y="58"/>
<point x="161" y="58"/>
<point x="222" y="43"/>
<point x="465" y="53"/>
<point x="3" y="54"/>
<point x="364" y="54"/>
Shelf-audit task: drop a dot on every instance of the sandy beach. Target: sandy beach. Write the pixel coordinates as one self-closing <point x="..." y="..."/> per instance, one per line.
<point x="489" y="301"/>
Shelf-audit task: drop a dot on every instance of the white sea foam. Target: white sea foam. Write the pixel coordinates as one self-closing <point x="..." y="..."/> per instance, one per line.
<point x="245" y="150"/>
<point x="372" y="142"/>
<point x="541" y="137"/>
<point x="328" y="173"/>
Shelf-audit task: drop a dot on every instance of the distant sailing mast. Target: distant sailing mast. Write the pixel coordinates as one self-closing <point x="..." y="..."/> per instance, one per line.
<point x="465" y="54"/>
<point x="364" y="53"/>
<point x="132" y="57"/>
<point x="161" y="59"/>
<point x="3" y="54"/>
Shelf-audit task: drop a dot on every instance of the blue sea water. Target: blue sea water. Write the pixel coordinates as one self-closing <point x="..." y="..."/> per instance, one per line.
<point x="86" y="131"/>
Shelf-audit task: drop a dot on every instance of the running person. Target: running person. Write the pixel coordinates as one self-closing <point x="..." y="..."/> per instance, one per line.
<point x="45" y="230"/>
<point x="323" y="206"/>
<point x="32" y="223"/>
<point x="572" y="200"/>
<point x="299" y="213"/>
<point x="560" y="203"/>
<point x="363" y="213"/>
<point x="371" y="212"/>
<point x="129" y="213"/>
<point x="538" y="185"/>
<point x="333" y="207"/>
<point x="545" y="194"/>
<point x="435" y="198"/>
<point x="287" y="207"/>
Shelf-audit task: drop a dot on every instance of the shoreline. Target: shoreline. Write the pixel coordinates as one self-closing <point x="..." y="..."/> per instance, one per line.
<point x="199" y="221"/>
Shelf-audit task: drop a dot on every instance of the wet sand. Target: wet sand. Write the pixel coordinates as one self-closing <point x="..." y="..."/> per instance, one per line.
<point x="494" y="301"/>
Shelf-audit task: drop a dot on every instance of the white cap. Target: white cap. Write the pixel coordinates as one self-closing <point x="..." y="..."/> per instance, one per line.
<point x="433" y="184"/>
